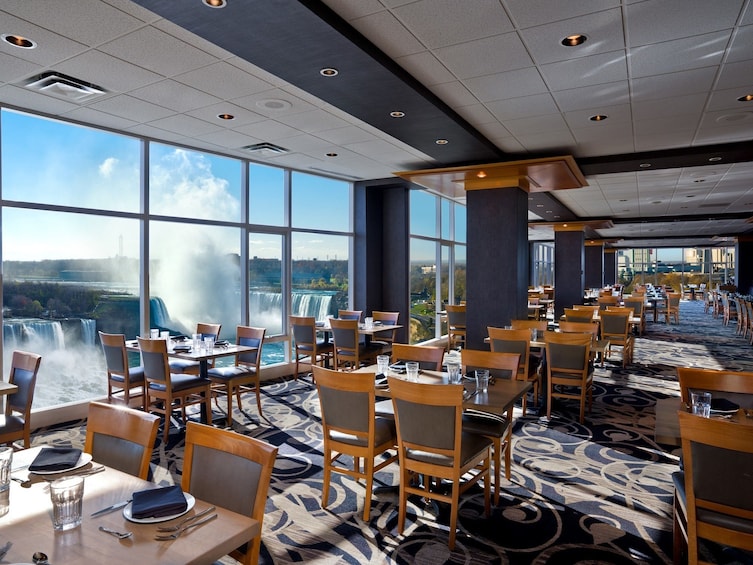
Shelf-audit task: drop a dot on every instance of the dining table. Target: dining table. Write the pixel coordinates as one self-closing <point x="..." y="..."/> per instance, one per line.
<point x="28" y="524"/>
<point x="6" y="388"/>
<point x="203" y="356"/>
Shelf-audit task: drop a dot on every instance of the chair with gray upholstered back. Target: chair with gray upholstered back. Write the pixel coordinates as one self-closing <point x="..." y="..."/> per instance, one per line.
<point x="306" y="344"/>
<point x="432" y="443"/>
<point x="121" y="378"/>
<point x="121" y="437"/>
<point x="351" y="428"/>
<point x="231" y="470"/>
<point x="349" y="352"/>
<point x="715" y="492"/>
<point x="568" y="367"/>
<point x="429" y="358"/>
<point x="16" y="423"/>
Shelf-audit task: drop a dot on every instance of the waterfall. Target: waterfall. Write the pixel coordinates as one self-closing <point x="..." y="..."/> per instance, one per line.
<point x="311" y="303"/>
<point x="88" y="331"/>
<point x="21" y="332"/>
<point x="159" y="314"/>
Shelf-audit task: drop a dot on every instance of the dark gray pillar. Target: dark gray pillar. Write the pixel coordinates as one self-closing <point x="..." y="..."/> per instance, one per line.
<point x="744" y="265"/>
<point x="497" y="260"/>
<point x="594" y="266"/>
<point x="610" y="266"/>
<point x="569" y="281"/>
<point x="382" y="250"/>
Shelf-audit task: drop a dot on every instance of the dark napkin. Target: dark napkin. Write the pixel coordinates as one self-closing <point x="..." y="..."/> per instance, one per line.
<point x="723" y="405"/>
<point x="158" y="502"/>
<point x="55" y="459"/>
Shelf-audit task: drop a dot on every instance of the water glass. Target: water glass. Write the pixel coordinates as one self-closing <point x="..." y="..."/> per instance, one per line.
<point x="383" y="364"/>
<point x="196" y="342"/>
<point x="701" y="403"/>
<point x="411" y="368"/>
<point x="6" y="460"/>
<point x="67" y="497"/>
<point x="482" y="380"/>
<point x="534" y="334"/>
<point x="369" y="322"/>
<point x="453" y="373"/>
<point x="154" y="333"/>
<point x="209" y="344"/>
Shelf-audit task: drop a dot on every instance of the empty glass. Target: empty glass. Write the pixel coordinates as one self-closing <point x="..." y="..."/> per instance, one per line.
<point x="482" y="380"/>
<point x="6" y="460"/>
<point x="67" y="496"/>
<point x="383" y="364"/>
<point x="453" y="372"/>
<point x="209" y="344"/>
<point x="701" y="403"/>
<point x="411" y="368"/>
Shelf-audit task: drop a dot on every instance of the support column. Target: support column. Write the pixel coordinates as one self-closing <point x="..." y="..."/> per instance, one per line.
<point x="744" y="264"/>
<point x="610" y="266"/>
<point x="569" y="260"/>
<point x="594" y="266"/>
<point x="497" y="260"/>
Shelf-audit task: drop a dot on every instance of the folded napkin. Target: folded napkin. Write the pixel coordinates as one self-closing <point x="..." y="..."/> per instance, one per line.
<point x="186" y="348"/>
<point x="55" y="459"/>
<point x="723" y="405"/>
<point x="158" y="502"/>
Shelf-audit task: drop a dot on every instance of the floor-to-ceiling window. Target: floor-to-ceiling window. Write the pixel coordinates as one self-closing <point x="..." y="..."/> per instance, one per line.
<point x="676" y="268"/>
<point x="437" y="262"/>
<point x="83" y="208"/>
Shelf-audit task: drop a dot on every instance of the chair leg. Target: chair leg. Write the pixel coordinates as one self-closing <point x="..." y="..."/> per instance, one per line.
<point x="454" y="503"/>
<point x="229" y="392"/>
<point x="497" y="446"/>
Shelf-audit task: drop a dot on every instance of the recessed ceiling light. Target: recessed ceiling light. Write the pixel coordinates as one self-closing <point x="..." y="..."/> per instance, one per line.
<point x="215" y="3"/>
<point x="713" y="159"/>
<point x="598" y="118"/>
<point x="539" y="205"/>
<point x="656" y="202"/>
<point x="746" y="98"/>
<point x="564" y="225"/>
<point x="644" y="165"/>
<point x="441" y="142"/>
<point x="226" y="116"/>
<point x="481" y="174"/>
<point x="556" y="217"/>
<point x="331" y="154"/>
<point x="397" y="114"/>
<point x="329" y="72"/>
<point x="548" y="211"/>
<point x="574" y="40"/>
<point x="274" y="104"/>
<point x="18" y="41"/>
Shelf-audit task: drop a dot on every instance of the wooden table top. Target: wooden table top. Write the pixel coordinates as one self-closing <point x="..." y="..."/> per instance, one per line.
<point x="29" y="525"/>
<point x="7" y="388"/>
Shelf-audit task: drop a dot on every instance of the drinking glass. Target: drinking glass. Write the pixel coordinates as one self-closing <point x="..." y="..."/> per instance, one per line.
<point x="411" y="368"/>
<point x="154" y="333"/>
<point x="383" y="364"/>
<point x="6" y="460"/>
<point x="482" y="380"/>
<point x="67" y="497"/>
<point x="701" y="403"/>
<point x="209" y="344"/>
<point x="196" y="342"/>
<point x="453" y="373"/>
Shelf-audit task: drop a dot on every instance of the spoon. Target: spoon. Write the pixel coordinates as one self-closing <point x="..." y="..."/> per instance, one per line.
<point x="119" y="535"/>
<point x="40" y="558"/>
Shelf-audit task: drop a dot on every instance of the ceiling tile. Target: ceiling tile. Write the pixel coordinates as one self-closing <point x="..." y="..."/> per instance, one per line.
<point x="511" y="84"/>
<point x="454" y="93"/>
<point x="527" y="13"/>
<point x="426" y="68"/>
<point x="223" y="80"/>
<point x="678" y="55"/>
<point x="126" y="106"/>
<point x="485" y="56"/>
<point x="672" y="84"/>
<point x="595" y="96"/>
<point x="178" y="98"/>
<point x="596" y="69"/>
<point x="523" y="107"/>
<point x="385" y="31"/>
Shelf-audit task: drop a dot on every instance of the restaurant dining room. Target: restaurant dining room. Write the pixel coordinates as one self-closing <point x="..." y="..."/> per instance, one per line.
<point x="389" y="281"/>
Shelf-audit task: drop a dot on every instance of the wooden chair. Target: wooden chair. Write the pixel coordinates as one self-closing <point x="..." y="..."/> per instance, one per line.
<point x="121" y="378"/>
<point x="166" y="391"/>
<point x="638" y="308"/>
<point x="518" y="341"/>
<point x="606" y="301"/>
<point x="714" y="500"/>
<point x="350" y="314"/>
<point x="539" y="325"/>
<point x="671" y="308"/>
<point x="736" y="386"/>
<point x="121" y="437"/>
<point x="455" y="325"/>
<point x="16" y="423"/>
<point x="385" y="340"/>
<point x="429" y="358"/>
<point x="244" y="372"/>
<point x="568" y="366"/>
<point x="578" y="315"/>
<point x="349" y="352"/>
<point x="350" y="427"/>
<point x="229" y="470"/>
<point x="615" y="328"/>
<point x="440" y="451"/>
<point x="193" y="367"/>
<point x="498" y="429"/>
<point x="306" y="344"/>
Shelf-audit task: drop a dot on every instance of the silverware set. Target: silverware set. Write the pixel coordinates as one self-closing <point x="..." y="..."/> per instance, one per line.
<point x="185" y="521"/>
<point x="175" y="535"/>
<point x="92" y="471"/>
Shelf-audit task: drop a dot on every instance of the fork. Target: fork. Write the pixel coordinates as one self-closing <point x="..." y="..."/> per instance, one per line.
<point x="176" y="535"/>
<point x="185" y="521"/>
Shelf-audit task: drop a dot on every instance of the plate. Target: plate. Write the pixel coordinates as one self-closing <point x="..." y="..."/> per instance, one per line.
<point x="381" y="383"/>
<point x="190" y="500"/>
<point x="83" y="460"/>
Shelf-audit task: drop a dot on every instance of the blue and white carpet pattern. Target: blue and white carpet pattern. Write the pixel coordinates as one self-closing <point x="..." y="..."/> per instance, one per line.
<point x="594" y="493"/>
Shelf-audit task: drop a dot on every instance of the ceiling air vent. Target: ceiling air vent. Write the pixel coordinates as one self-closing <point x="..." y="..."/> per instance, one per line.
<point x="265" y="149"/>
<point x="62" y="86"/>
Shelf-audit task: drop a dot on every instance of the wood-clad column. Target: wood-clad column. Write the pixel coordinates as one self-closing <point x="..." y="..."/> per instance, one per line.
<point x="744" y="264"/>
<point x="594" y="266"/>
<point x="569" y="280"/>
<point x="497" y="260"/>
<point x="610" y="266"/>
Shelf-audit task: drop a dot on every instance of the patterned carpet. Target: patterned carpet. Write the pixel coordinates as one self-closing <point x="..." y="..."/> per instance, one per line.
<point x="594" y="493"/>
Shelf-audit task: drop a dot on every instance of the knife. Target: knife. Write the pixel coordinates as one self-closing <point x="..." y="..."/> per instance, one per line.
<point x="109" y="509"/>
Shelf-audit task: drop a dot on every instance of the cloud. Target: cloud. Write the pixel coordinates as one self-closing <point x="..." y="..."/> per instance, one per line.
<point x="107" y="167"/>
